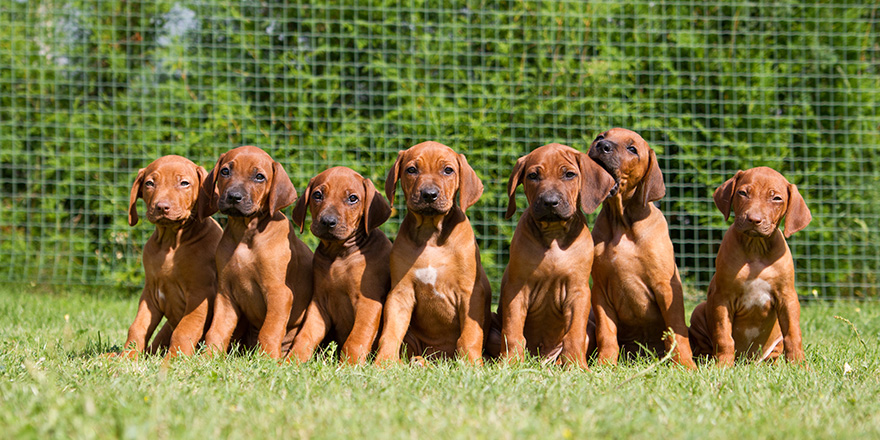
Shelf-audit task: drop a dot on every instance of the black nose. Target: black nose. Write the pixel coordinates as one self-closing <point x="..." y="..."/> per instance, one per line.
<point x="329" y="221"/>
<point x="234" y="197"/>
<point x="605" y="146"/>
<point x="430" y="194"/>
<point x="550" y="200"/>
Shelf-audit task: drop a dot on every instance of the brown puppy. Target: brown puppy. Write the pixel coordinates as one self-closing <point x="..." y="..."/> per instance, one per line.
<point x="181" y="279"/>
<point x="439" y="300"/>
<point x="637" y="291"/>
<point x="265" y="271"/>
<point x="752" y="305"/>
<point x="351" y="264"/>
<point x="545" y="292"/>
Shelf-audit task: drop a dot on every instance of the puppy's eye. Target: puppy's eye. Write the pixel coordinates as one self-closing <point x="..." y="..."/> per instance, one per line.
<point x="742" y="193"/>
<point x="777" y="199"/>
<point x="224" y="171"/>
<point x="317" y="196"/>
<point x="184" y="183"/>
<point x="599" y="138"/>
<point x="259" y="177"/>
<point x="532" y="176"/>
<point x="570" y="175"/>
<point x="632" y="149"/>
<point x="448" y="170"/>
<point x="353" y="199"/>
<point x="149" y="184"/>
<point x="412" y="170"/>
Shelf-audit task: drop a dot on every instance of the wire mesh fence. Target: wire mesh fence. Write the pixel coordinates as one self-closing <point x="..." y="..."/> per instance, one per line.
<point x="92" y="90"/>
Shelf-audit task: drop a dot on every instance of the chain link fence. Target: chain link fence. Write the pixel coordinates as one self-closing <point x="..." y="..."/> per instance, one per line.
<point x="92" y="90"/>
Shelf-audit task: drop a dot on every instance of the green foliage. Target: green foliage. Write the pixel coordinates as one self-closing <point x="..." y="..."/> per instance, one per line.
<point x="90" y="91"/>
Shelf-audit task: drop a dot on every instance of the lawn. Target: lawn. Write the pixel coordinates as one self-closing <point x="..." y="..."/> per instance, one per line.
<point x="55" y="384"/>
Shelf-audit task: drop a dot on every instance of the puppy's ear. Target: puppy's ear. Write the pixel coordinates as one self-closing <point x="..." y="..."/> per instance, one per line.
<point x="302" y="205"/>
<point x="393" y="176"/>
<point x="516" y="177"/>
<point x="652" y="187"/>
<point x="282" y="193"/>
<point x="208" y="197"/>
<point x="376" y="208"/>
<point x="136" y="193"/>
<point x="797" y="215"/>
<point x="470" y="186"/>
<point x="201" y="196"/>
<point x="596" y="183"/>
<point x="724" y="195"/>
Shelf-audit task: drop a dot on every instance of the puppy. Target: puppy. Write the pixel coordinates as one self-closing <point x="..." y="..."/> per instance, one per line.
<point x="752" y="304"/>
<point x="265" y="271"/>
<point x="178" y="259"/>
<point x="439" y="300"/>
<point x="637" y="292"/>
<point x="545" y="292"/>
<point x="350" y="268"/>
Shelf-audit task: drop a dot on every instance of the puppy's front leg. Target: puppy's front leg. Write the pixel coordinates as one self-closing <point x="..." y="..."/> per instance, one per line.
<point x="721" y="329"/>
<point x="670" y="299"/>
<point x="226" y="315"/>
<point x="788" y="310"/>
<point x="145" y="323"/>
<point x="367" y="317"/>
<point x="606" y="329"/>
<point x="398" y="313"/>
<point x="514" y="308"/>
<point x="313" y="331"/>
<point x="190" y="328"/>
<point x="574" y="343"/>
<point x="279" y="301"/>
<point x="472" y="315"/>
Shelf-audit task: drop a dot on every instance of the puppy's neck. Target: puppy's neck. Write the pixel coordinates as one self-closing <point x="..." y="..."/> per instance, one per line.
<point x="625" y="211"/>
<point x="759" y="247"/>
<point x="335" y="249"/>
<point x="241" y="228"/>
<point x="172" y="234"/>
<point x="563" y="232"/>
<point x="434" y="227"/>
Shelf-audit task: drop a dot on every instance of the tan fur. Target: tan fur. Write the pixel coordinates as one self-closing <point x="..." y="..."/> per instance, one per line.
<point x="752" y="304"/>
<point x="351" y="270"/>
<point x="265" y="271"/>
<point x="439" y="300"/>
<point x="637" y="292"/>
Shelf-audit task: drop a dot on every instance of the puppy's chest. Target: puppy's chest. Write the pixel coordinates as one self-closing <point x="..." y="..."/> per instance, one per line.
<point x="436" y="275"/>
<point x="756" y="296"/>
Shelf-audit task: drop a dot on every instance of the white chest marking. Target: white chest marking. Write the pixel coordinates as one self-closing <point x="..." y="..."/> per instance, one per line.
<point x="426" y="275"/>
<point x="751" y="333"/>
<point x="756" y="293"/>
<point x="160" y="295"/>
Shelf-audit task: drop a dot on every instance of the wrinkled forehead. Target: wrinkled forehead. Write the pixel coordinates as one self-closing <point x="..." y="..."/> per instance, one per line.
<point x="623" y="136"/>
<point x="430" y="155"/>
<point x="248" y="157"/>
<point x="339" y="180"/>
<point x="763" y="179"/>
<point x="169" y="166"/>
<point x="551" y="156"/>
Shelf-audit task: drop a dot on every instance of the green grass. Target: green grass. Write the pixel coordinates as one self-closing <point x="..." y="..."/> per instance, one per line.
<point x="55" y="385"/>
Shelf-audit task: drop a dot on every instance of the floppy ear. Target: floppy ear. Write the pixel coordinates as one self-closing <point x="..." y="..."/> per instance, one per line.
<point x="208" y="197"/>
<point x="596" y="183"/>
<point x="470" y="186"/>
<point x="201" y="196"/>
<point x="376" y="208"/>
<point x="393" y="175"/>
<point x="136" y="193"/>
<point x="515" y="180"/>
<point x="724" y="194"/>
<point x="797" y="215"/>
<point x="298" y="216"/>
<point x="652" y="187"/>
<point x="282" y="193"/>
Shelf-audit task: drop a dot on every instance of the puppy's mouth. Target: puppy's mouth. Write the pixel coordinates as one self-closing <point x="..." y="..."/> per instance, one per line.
<point x="761" y="230"/>
<point x="236" y="211"/>
<point x="609" y="169"/>
<point x="338" y="233"/>
<point x="428" y="210"/>
<point x="161" y="219"/>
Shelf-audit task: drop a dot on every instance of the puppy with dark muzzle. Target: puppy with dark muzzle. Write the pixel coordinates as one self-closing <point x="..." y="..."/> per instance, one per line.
<point x="752" y="311"/>
<point x="265" y="271"/>
<point x="351" y="271"/>
<point x="181" y="279"/>
<point x="545" y="292"/>
<point x="637" y="293"/>
<point x="439" y="299"/>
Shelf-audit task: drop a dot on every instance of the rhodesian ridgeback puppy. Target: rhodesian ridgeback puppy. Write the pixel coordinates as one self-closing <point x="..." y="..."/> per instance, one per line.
<point x="752" y="305"/>
<point x="439" y="299"/>
<point x="350" y="268"/>
<point x="264" y="270"/>
<point x="545" y="292"/>
<point x="637" y="292"/>
<point x="178" y="259"/>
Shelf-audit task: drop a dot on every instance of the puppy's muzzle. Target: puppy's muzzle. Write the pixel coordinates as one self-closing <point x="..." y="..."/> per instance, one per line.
<point x="552" y="206"/>
<point x="754" y="225"/>
<point x="235" y="203"/>
<point x="602" y="152"/>
<point x="428" y="201"/>
<point x="163" y="212"/>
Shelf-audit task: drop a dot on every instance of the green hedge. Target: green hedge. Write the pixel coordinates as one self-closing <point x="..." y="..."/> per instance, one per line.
<point x="90" y="91"/>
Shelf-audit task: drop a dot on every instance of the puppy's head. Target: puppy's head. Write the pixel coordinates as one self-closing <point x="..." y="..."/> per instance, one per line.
<point x="341" y="201"/>
<point x="631" y="162"/>
<point x="557" y="179"/>
<point x="760" y="198"/>
<point x="246" y="182"/>
<point x="170" y="187"/>
<point x="430" y="174"/>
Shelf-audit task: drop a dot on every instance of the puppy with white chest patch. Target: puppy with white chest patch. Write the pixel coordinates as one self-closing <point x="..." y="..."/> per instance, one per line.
<point x="439" y="300"/>
<point x="351" y="264"/>
<point x="545" y="292"/>
<point x="752" y="309"/>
